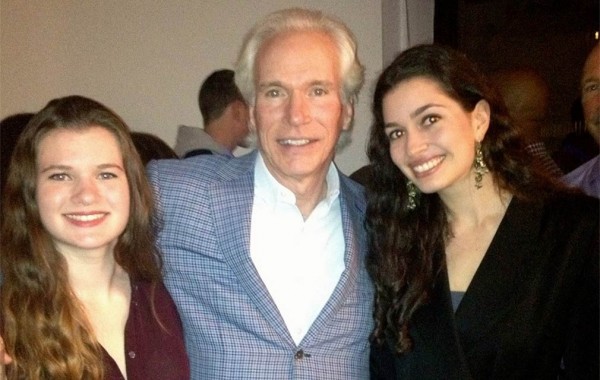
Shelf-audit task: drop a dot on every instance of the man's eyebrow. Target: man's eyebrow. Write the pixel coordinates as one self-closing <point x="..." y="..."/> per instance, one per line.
<point x="318" y="82"/>
<point x="588" y="80"/>
<point x="277" y="83"/>
<point x="274" y="83"/>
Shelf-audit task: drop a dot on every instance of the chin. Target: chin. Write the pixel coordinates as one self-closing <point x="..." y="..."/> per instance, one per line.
<point x="427" y="187"/>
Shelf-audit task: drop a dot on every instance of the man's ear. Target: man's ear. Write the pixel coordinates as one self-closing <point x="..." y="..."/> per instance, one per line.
<point x="348" y="115"/>
<point x="251" y="119"/>
<point x="239" y="110"/>
<point x="480" y="119"/>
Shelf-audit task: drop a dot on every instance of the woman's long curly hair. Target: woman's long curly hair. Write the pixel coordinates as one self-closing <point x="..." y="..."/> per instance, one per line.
<point x="407" y="247"/>
<point x="44" y="326"/>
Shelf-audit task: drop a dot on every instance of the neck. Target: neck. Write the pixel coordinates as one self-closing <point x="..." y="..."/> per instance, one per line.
<point x="470" y="206"/>
<point x="307" y="200"/>
<point x="220" y="131"/>
<point x="93" y="273"/>
<point x="308" y="190"/>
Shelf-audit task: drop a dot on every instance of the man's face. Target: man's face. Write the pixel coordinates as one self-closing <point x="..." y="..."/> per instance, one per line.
<point x="298" y="112"/>
<point x="590" y="93"/>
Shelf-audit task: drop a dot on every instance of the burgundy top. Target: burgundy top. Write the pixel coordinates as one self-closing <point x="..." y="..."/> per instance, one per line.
<point x="152" y="351"/>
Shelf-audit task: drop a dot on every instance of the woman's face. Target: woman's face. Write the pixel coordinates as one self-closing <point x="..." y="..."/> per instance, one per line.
<point x="432" y="138"/>
<point x="82" y="189"/>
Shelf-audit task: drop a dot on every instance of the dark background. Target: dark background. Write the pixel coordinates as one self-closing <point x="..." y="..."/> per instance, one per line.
<point x="552" y="36"/>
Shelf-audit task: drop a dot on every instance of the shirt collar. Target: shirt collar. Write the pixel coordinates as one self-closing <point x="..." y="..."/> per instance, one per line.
<point x="267" y="188"/>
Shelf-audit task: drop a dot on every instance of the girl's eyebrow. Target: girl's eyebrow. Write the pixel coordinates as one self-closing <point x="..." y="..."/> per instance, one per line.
<point x="67" y="167"/>
<point x="55" y="167"/>
<point x="110" y="166"/>
<point x="422" y="109"/>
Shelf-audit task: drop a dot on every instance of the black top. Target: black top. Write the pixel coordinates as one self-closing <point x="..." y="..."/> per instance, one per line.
<point x="532" y="304"/>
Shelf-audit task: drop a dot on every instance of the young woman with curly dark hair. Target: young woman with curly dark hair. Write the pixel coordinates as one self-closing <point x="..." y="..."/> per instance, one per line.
<point x="484" y="268"/>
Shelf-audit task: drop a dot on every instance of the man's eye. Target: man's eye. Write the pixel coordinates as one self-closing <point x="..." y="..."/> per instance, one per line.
<point x="320" y="91"/>
<point x="273" y="93"/>
<point x="591" y="87"/>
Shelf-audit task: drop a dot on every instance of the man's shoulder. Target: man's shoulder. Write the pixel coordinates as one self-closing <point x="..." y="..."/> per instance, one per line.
<point x="202" y="168"/>
<point x="349" y="186"/>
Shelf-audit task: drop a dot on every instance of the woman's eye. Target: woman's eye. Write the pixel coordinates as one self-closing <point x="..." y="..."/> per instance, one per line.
<point x="395" y="134"/>
<point x="430" y="119"/>
<point x="58" y="177"/>
<point x="107" y="175"/>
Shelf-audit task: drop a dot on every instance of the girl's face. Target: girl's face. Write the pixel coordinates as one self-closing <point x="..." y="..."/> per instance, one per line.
<point x="82" y="189"/>
<point x="432" y="138"/>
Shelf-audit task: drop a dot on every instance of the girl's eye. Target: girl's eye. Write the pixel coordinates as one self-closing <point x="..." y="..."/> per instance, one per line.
<point x="59" y="177"/>
<point x="430" y="119"/>
<point x="395" y="134"/>
<point x="107" y="175"/>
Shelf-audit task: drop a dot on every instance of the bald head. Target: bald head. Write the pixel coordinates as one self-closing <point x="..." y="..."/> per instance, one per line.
<point x="526" y="95"/>
<point x="524" y="91"/>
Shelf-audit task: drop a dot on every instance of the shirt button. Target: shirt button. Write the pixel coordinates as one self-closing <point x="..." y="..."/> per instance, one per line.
<point x="131" y="354"/>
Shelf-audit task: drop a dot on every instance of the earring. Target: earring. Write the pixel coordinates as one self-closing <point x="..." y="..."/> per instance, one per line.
<point x="412" y="191"/>
<point x="479" y="166"/>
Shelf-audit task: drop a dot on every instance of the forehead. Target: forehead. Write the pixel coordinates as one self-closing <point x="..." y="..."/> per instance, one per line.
<point x="69" y="141"/>
<point x="591" y="68"/>
<point x="415" y="90"/>
<point x="409" y="96"/>
<point x="298" y="52"/>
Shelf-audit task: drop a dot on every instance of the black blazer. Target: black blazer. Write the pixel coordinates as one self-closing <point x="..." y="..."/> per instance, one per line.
<point x="532" y="304"/>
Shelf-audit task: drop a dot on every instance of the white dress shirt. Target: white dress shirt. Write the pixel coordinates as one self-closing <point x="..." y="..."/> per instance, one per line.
<point x="300" y="261"/>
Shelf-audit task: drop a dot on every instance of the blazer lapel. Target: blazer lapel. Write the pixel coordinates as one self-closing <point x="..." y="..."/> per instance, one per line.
<point x="354" y="236"/>
<point x="232" y="201"/>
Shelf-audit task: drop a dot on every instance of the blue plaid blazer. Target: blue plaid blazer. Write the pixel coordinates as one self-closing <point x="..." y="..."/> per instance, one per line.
<point x="232" y="327"/>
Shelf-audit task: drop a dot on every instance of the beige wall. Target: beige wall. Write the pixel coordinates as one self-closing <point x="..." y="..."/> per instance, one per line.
<point x="146" y="59"/>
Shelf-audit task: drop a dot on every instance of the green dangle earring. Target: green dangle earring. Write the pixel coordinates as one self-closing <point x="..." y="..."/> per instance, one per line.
<point x="479" y="166"/>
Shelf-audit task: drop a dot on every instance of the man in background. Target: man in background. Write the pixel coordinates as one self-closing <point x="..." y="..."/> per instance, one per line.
<point x="587" y="176"/>
<point x="225" y="116"/>
<point x="527" y="97"/>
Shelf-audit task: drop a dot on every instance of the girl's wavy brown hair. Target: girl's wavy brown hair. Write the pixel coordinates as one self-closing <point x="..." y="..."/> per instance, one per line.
<point x="43" y="325"/>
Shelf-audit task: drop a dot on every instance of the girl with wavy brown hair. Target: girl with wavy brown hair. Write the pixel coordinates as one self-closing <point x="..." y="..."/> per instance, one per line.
<point x="82" y="294"/>
<point x="484" y="268"/>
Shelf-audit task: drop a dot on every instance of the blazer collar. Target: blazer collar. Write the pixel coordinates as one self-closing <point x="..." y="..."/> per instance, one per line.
<point x="352" y="214"/>
<point x="231" y="202"/>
